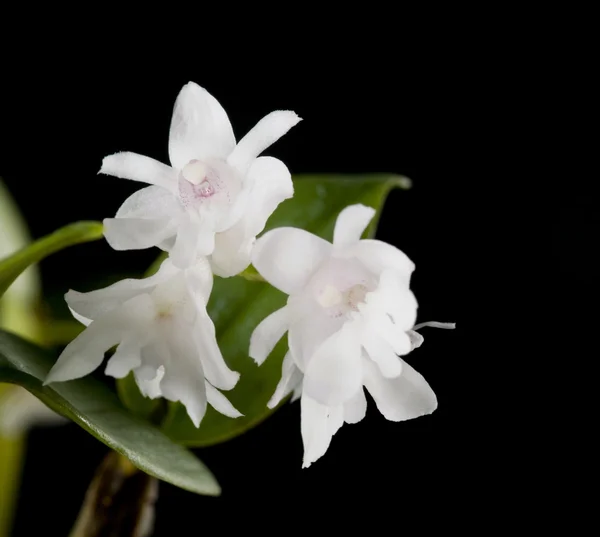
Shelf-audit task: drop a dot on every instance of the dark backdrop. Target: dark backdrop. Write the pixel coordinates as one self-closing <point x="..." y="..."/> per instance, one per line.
<point x="388" y="114"/>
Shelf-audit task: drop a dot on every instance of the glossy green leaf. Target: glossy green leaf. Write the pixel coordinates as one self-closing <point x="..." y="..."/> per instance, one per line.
<point x="237" y="305"/>
<point x="12" y="266"/>
<point x="93" y="406"/>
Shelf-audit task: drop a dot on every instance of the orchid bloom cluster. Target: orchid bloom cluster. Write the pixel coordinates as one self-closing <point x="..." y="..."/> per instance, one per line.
<point x="350" y="313"/>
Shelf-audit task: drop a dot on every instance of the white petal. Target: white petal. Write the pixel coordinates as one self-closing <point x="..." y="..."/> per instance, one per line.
<point x="215" y="369"/>
<point x="126" y="357"/>
<point x="149" y="375"/>
<point x="395" y="298"/>
<point x="355" y="409"/>
<point x="184" y="376"/>
<point x="391" y="310"/>
<point x="336" y="419"/>
<point x="416" y="339"/>
<point x="318" y="425"/>
<point x="266" y="335"/>
<point x="220" y="403"/>
<point x="86" y="352"/>
<point x="382" y="353"/>
<point x="270" y="183"/>
<point x="265" y="133"/>
<point x="405" y="397"/>
<point x="308" y="331"/>
<point x="150" y="387"/>
<point x="200" y="127"/>
<point x="137" y="233"/>
<point x="385" y="328"/>
<point x="287" y="257"/>
<point x="232" y="252"/>
<point x="334" y="373"/>
<point x="136" y="167"/>
<point x="291" y="377"/>
<point x="83" y="320"/>
<point x="193" y="239"/>
<point x="351" y="223"/>
<point x="297" y="392"/>
<point x="435" y="324"/>
<point x="199" y="280"/>
<point x="154" y="355"/>
<point x="96" y="303"/>
<point x="152" y="202"/>
<point x="378" y="256"/>
<point x="185" y="250"/>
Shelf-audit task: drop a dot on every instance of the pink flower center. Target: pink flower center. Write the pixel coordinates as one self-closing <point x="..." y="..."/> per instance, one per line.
<point x="208" y="185"/>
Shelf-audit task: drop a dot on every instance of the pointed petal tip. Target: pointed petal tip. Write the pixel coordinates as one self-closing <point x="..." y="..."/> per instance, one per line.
<point x="102" y="167"/>
<point x="192" y="85"/>
<point x="50" y="378"/>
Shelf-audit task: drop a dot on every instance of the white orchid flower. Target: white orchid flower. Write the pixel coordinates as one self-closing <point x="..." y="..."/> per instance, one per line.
<point x="216" y="197"/>
<point x="350" y="315"/>
<point x="164" y="335"/>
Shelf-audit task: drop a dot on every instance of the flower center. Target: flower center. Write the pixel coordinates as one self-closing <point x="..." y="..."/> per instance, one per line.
<point x="337" y="303"/>
<point x="197" y="184"/>
<point x="203" y="184"/>
<point x="340" y="286"/>
<point x="172" y="301"/>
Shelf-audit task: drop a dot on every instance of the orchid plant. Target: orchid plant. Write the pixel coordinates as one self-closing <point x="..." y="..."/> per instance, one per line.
<point x="192" y="367"/>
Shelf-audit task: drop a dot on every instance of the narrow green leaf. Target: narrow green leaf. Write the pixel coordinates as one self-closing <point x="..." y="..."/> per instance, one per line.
<point x="93" y="406"/>
<point x="237" y="305"/>
<point x="19" y="304"/>
<point x="12" y="266"/>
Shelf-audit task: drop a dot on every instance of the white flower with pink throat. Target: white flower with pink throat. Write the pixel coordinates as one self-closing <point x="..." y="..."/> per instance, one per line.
<point x="214" y="198"/>
<point x="350" y="316"/>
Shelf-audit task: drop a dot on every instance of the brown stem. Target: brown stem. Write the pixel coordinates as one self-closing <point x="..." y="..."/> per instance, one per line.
<point x="118" y="503"/>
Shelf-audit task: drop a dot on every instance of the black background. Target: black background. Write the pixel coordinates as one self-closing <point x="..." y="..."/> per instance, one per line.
<point x="381" y="110"/>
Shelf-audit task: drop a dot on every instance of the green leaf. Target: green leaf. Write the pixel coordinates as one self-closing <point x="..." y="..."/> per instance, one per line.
<point x="93" y="406"/>
<point x="12" y="266"/>
<point x="237" y="305"/>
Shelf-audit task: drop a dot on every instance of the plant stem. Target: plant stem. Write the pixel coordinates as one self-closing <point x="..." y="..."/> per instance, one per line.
<point x="119" y="501"/>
